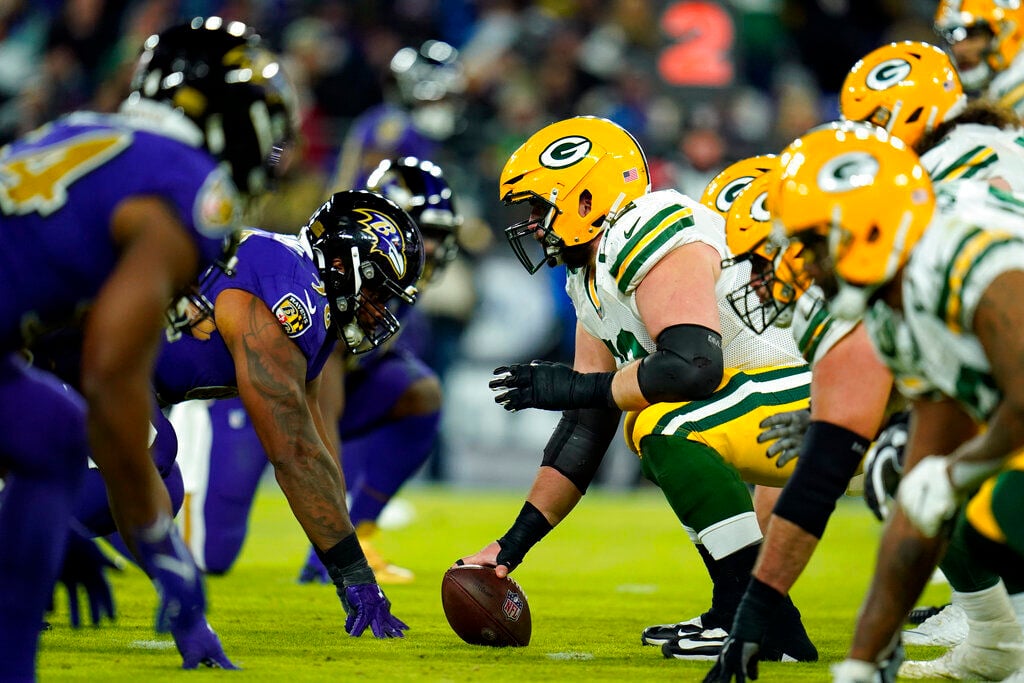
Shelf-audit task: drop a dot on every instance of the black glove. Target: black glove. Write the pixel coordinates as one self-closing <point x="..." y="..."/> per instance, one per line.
<point x="883" y="467"/>
<point x="742" y="649"/>
<point x="84" y="567"/>
<point x="551" y="386"/>
<point x="737" y="660"/>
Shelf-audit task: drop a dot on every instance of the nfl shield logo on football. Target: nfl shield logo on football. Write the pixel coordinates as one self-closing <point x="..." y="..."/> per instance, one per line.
<point x="513" y="606"/>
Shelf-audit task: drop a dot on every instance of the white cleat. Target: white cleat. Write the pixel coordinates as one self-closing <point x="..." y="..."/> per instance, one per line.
<point x="967" y="661"/>
<point x="945" y="629"/>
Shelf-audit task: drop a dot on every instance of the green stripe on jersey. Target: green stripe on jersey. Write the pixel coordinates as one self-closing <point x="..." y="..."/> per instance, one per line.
<point x="945" y="173"/>
<point x="742" y="394"/>
<point x="642" y="251"/>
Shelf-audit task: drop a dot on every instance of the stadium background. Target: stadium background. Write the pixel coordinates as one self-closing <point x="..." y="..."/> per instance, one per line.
<point x="700" y="83"/>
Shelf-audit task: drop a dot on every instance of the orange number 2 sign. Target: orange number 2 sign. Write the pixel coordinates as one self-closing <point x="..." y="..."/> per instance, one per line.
<point x="702" y="36"/>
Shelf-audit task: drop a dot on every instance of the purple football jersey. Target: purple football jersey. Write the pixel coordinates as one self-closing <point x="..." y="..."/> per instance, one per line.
<point x="280" y="272"/>
<point x="59" y="189"/>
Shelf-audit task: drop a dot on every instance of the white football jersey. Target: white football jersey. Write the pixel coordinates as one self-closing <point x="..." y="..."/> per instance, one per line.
<point x="1007" y="87"/>
<point x="814" y="328"/>
<point x="639" y="237"/>
<point x="977" y="234"/>
<point x="977" y="152"/>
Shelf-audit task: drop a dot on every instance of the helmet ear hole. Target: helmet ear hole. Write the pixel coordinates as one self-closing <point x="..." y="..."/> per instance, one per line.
<point x="873" y="234"/>
<point x="586" y="203"/>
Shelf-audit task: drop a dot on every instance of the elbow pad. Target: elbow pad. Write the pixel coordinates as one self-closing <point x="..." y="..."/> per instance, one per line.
<point x="686" y="367"/>
<point x="579" y="443"/>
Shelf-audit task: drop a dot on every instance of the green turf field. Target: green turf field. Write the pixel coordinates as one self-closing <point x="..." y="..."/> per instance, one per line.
<point x="620" y="563"/>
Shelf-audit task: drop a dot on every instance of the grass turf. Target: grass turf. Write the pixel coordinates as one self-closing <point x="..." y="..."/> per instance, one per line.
<point x="618" y="564"/>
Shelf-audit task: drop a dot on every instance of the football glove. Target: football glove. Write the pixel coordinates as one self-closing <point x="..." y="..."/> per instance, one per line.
<point x="198" y="644"/>
<point x="551" y="386"/>
<point x="926" y="495"/>
<point x="787" y="431"/>
<point x="737" y="661"/>
<point x="84" y="567"/>
<point x="883" y="467"/>
<point x="366" y="605"/>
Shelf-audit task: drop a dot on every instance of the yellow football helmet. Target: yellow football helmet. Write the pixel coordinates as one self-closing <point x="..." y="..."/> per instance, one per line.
<point x="723" y="189"/>
<point x="908" y="88"/>
<point x="1004" y="19"/>
<point x="575" y="174"/>
<point x="764" y="299"/>
<point x="853" y="191"/>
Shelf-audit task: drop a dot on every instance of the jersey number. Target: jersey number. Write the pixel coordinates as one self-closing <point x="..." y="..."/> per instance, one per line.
<point x="37" y="179"/>
<point x="626" y="347"/>
<point x="703" y="38"/>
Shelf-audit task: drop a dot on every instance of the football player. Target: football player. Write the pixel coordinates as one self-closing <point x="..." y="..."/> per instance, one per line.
<point x="391" y="409"/>
<point x="951" y="268"/>
<point x="693" y="379"/>
<point x="273" y="327"/>
<point x="104" y="218"/>
<point x="985" y="37"/>
<point x="388" y="400"/>
<point x="423" y="110"/>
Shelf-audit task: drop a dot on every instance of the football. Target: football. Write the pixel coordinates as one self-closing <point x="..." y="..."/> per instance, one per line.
<point x="485" y="610"/>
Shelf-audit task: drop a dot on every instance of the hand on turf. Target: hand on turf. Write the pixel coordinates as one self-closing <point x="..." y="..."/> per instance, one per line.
<point x="366" y="605"/>
<point x="926" y="495"/>
<point x="737" y="661"/>
<point x="488" y="557"/>
<point x="84" y="567"/>
<point x="787" y="431"/>
<point x="199" y="645"/>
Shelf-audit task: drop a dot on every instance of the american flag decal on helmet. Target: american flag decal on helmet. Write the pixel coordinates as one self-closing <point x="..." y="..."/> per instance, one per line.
<point x="513" y="606"/>
<point x="630" y="175"/>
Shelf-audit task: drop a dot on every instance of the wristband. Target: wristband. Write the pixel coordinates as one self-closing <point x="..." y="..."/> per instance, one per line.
<point x="593" y="390"/>
<point x="530" y="526"/>
<point x="347" y="564"/>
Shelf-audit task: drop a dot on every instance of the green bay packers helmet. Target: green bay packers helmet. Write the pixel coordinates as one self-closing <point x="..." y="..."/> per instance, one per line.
<point x="1002" y="19"/>
<point x="723" y="189"/>
<point x="908" y="88"/>
<point x="763" y="299"/>
<point x="861" y="193"/>
<point x="575" y="175"/>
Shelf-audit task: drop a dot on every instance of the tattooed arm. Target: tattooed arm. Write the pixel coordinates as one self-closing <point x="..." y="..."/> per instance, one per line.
<point x="271" y="374"/>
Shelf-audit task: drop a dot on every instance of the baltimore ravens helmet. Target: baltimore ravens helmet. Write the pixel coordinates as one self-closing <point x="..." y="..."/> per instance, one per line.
<point x="216" y="73"/>
<point x="370" y="254"/>
<point x="419" y="187"/>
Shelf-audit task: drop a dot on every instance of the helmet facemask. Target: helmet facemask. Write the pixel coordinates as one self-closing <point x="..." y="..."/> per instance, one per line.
<point x="534" y="240"/>
<point x="192" y="311"/>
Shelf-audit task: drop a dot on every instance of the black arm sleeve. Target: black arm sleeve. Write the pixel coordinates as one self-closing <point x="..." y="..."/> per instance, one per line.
<point x="579" y="442"/>
<point x="687" y="366"/>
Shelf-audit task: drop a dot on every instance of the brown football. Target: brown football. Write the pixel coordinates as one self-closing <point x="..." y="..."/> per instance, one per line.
<point x="485" y="610"/>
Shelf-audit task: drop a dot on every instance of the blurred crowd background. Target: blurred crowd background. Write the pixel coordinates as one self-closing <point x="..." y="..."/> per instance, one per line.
<point x="700" y="83"/>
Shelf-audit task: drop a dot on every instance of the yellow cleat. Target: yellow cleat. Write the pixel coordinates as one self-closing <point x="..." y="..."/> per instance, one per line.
<point x="386" y="573"/>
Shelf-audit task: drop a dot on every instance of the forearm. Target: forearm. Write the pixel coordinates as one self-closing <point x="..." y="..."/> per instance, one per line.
<point x="784" y="554"/>
<point x="906" y="560"/>
<point x="984" y="455"/>
<point x="312" y="482"/>
<point x="553" y="495"/>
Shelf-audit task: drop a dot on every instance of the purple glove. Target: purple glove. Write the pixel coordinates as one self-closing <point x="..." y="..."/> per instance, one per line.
<point x="314" y="570"/>
<point x="198" y="644"/>
<point x="84" y="567"/>
<point x="366" y="606"/>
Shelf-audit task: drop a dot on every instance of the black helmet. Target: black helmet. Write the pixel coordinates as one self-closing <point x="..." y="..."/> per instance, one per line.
<point x="419" y="187"/>
<point x="216" y="73"/>
<point x="369" y="253"/>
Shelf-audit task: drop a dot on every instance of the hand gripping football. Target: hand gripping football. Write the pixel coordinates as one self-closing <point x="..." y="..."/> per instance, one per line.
<point x="485" y="610"/>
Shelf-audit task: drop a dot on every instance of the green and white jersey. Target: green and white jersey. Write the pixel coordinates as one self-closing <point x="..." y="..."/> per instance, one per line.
<point x="977" y="234"/>
<point x="1007" y="88"/>
<point x="972" y="151"/>
<point x="814" y="327"/>
<point x="641" y="235"/>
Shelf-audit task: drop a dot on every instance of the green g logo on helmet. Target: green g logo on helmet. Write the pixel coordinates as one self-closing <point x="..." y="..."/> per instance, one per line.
<point x="565" y="152"/>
